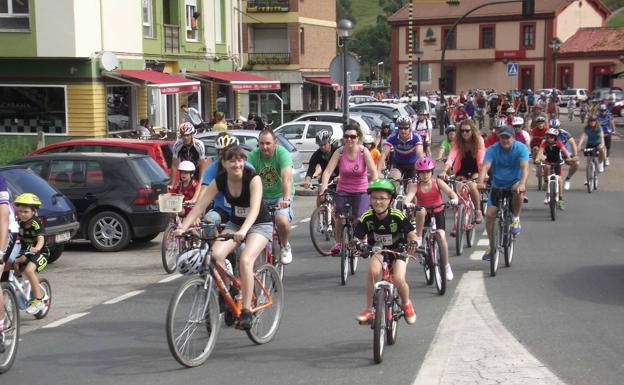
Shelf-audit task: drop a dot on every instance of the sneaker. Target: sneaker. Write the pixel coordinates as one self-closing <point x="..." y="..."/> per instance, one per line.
<point x="365" y="316"/>
<point x="515" y="226"/>
<point x="560" y="205"/>
<point x="35" y="306"/>
<point x="488" y="255"/>
<point x="336" y="249"/>
<point x="607" y="163"/>
<point x="449" y="272"/>
<point x="409" y="313"/>
<point x="566" y="184"/>
<point x="286" y="254"/>
<point x="546" y="200"/>
<point x="478" y="216"/>
<point x="245" y="320"/>
<point x="600" y="167"/>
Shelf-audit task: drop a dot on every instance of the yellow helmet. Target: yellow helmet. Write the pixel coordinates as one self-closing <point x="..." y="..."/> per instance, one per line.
<point x="27" y="199"/>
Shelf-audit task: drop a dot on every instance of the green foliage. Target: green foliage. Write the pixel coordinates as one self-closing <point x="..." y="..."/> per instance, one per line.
<point x="14" y="147"/>
<point x="344" y="11"/>
<point x="617" y="20"/>
<point x="371" y="43"/>
<point x="613" y="4"/>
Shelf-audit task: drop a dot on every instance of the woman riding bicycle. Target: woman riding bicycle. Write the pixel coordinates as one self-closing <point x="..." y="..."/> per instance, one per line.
<point x="594" y="135"/>
<point x="250" y="220"/>
<point x="320" y="158"/>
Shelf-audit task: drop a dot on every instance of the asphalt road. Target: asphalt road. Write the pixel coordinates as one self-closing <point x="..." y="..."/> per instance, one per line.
<point x="561" y="301"/>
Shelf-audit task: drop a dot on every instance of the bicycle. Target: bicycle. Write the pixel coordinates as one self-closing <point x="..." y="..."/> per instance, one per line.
<point x="464" y="218"/>
<point x="348" y="259"/>
<point x="322" y="224"/>
<point x="273" y="249"/>
<point x="552" y="188"/>
<point x="502" y="239"/>
<point x="195" y="307"/>
<point x="481" y="117"/>
<point x="591" y="171"/>
<point x="172" y="246"/>
<point x="11" y="328"/>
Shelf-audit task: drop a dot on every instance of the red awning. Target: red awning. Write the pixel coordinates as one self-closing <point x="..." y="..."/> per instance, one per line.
<point x="238" y="80"/>
<point x="329" y="82"/>
<point x="168" y="84"/>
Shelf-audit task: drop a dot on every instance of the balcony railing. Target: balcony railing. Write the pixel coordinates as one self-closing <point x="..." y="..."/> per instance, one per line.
<point x="172" y="38"/>
<point x="268" y="5"/>
<point x="269" y="58"/>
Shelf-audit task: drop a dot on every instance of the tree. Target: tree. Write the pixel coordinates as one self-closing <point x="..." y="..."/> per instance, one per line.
<point x="372" y="44"/>
<point x="343" y="10"/>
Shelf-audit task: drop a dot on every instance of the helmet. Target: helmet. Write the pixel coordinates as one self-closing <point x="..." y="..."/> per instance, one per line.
<point x="517" y="121"/>
<point x="460" y="105"/>
<point x="404" y="121"/>
<point x="540" y="119"/>
<point x="500" y="122"/>
<point x="186" y="128"/>
<point x="323" y="136"/>
<point x="186" y="166"/>
<point x="529" y="91"/>
<point x="225" y="140"/>
<point x="553" y="132"/>
<point x="554" y="123"/>
<point x="425" y="164"/>
<point x="383" y="185"/>
<point x="603" y="107"/>
<point x="368" y="139"/>
<point x="450" y="128"/>
<point x="27" y="199"/>
<point x="511" y="110"/>
<point x="191" y="261"/>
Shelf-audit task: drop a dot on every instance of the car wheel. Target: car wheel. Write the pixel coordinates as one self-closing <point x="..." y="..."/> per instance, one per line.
<point x="55" y="253"/>
<point x="109" y="231"/>
<point x="145" y="238"/>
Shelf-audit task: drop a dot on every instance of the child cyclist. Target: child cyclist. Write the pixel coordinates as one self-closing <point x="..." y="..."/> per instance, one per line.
<point x="553" y="151"/>
<point x="188" y="185"/>
<point x="381" y="224"/>
<point x="427" y="192"/>
<point x="33" y="257"/>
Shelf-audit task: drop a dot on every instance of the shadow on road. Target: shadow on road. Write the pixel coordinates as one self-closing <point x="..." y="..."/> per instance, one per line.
<point x="601" y="284"/>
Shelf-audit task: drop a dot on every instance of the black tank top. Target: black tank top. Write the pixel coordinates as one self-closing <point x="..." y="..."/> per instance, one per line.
<point x="241" y="204"/>
<point x="468" y="165"/>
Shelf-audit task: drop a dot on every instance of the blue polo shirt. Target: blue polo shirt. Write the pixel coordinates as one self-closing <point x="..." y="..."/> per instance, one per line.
<point x="506" y="169"/>
<point x="404" y="150"/>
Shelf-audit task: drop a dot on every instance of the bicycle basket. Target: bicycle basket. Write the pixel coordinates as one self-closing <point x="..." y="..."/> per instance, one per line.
<point x="170" y="203"/>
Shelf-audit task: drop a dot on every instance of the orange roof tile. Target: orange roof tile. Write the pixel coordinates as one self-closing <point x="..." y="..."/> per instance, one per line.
<point x="595" y="40"/>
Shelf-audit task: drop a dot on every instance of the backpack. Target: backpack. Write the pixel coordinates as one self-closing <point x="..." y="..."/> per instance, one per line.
<point x="531" y="100"/>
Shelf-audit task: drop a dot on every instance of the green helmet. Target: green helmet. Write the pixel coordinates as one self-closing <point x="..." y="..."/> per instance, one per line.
<point x="383" y="185"/>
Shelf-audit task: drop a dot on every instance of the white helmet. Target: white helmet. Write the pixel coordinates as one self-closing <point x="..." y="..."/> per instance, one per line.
<point x="226" y="140"/>
<point x="186" y="166"/>
<point x="403" y="121"/>
<point x="190" y="262"/>
<point x="552" y="131"/>
<point x="517" y="121"/>
<point x="368" y="139"/>
<point x="511" y="110"/>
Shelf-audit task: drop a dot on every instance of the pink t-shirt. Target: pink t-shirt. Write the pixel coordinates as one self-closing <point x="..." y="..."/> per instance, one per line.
<point x="431" y="198"/>
<point x="353" y="173"/>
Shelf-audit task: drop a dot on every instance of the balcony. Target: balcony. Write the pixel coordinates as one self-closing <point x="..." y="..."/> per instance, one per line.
<point x="268" y="6"/>
<point x="268" y="58"/>
<point x="172" y="38"/>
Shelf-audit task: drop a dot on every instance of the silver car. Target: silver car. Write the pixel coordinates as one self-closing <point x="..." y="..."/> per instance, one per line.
<point x="249" y="139"/>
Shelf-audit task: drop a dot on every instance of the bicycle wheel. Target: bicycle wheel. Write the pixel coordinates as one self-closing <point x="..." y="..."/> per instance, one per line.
<point x="344" y="257"/>
<point x="353" y="263"/>
<point x="552" y="199"/>
<point x="540" y="180"/>
<point x="393" y="311"/>
<point x="11" y="329"/>
<point x="169" y="249"/>
<point x="459" y="230"/>
<point x="494" y="250"/>
<point x="379" y="326"/>
<point x="319" y="234"/>
<point x="428" y="265"/>
<point x="439" y="270"/>
<point x="268" y="290"/>
<point x="596" y="177"/>
<point x="470" y="227"/>
<point x="590" y="172"/>
<point x="509" y="249"/>
<point x="193" y="322"/>
<point x="46" y="290"/>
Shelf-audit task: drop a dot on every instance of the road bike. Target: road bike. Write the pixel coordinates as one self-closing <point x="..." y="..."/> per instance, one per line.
<point x="323" y="225"/>
<point x="464" y="218"/>
<point x="502" y="239"/>
<point x="552" y="188"/>
<point x="348" y="259"/>
<point x="591" y="171"/>
<point x="194" y="314"/>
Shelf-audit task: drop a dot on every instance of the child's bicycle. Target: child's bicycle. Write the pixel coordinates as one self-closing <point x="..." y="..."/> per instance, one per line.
<point x="322" y="222"/>
<point x="552" y="188"/>
<point x="172" y="246"/>
<point x="464" y="218"/>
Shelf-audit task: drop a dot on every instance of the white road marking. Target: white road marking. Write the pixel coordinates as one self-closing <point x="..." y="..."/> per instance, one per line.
<point x="294" y="226"/>
<point x="64" y="320"/>
<point x="305" y="220"/>
<point x="124" y="296"/>
<point x="476" y="255"/>
<point x="471" y="345"/>
<point x="483" y="242"/>
<point x="170" y="278"/>
<point x="484" y="233"/>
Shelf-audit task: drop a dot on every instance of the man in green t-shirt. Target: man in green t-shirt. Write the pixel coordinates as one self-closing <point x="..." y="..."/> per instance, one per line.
<point x="274" y="165"/>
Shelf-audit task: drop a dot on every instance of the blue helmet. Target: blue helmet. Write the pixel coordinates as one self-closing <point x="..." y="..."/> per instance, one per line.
<point x="554" y="123"/>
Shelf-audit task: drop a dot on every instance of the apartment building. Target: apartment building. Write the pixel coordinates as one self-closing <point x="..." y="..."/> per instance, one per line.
<point x="490" y="38"/>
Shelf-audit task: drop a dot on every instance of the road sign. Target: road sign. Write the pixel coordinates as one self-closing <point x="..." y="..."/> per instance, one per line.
<point x="512" y="69"/>
<point x="335" y="68"/>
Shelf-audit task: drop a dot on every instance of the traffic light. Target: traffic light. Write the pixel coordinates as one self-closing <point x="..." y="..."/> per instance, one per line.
<point x="528" y="8"/>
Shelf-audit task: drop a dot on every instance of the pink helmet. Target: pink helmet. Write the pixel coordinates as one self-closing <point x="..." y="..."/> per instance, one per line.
<point x="186" y="128"/>
<point x="425" y="164"/>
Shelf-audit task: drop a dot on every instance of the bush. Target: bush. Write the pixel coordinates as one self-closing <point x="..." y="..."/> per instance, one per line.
<point x="14" y="147"/>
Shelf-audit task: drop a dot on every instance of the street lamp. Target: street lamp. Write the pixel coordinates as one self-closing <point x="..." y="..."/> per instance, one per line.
<point x="418" y="52"/>
<point x="344" y="29"/>
<point x="379" y="74"/>
<point x="554" y="44"/>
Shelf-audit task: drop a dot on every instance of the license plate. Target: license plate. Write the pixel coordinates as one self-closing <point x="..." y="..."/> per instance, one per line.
<point x="62" y="237"/>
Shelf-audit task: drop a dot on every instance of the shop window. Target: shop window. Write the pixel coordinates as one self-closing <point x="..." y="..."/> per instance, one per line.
<point x="33" y="109"/>
<point x="486" y="36"/>
<point x="148" y="18"/>
<point x="14" y="15"/>
<point x="118" y="108"/>
<point x="192" y="20"/>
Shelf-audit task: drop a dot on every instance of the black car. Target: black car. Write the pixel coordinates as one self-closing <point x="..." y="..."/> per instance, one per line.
<point x="116" y="195"/>
<point x="56" y="211"/>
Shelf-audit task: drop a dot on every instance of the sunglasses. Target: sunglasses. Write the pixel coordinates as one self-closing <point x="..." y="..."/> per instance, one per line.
<point x="352" y="137"/>
<point x="466" y="130"/>
<point x="404" y="128"/>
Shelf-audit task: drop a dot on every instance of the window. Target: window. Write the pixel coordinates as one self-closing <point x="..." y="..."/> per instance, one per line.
<point x="486" y="36"/>
<point x="452" y="42"/>
<point x="293" y="131"/>
<point x="14" y="15"/>
<point x="32" y="109"/>
<point x="425" y="76"/>
<point x="192" y="20"/>
<point x="148" y="19"/>
<point x="415" y="40"/>
<point x="75" y="174"/>
<point x="313" y="129"/>
<point x="36" y="166"/>
<point x="302" y="40"/>
<point x="527" y="35"/>
<point x="218" y="21"/>
<point x="118" y="108"/>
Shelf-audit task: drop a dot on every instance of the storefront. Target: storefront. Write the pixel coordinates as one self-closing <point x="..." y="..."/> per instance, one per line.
<point x="33" y="108"/>
<point x="327" y="91"/>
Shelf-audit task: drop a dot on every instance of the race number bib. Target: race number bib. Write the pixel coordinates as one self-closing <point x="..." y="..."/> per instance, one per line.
<point x="384" y="239"/>
<point x="241" y="212"/>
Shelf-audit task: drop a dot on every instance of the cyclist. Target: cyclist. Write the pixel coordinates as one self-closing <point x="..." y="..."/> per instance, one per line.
<point x="320" y="158"/>
<point x="594" y="135"/>
<point x="274" y="165"/>
<point x="382" y="224"/>
<point x="424" y="128"/>
<point x="537" y="134"/>
<point x="493" y="137"/>
<point x="521" y="135"/>
<point x="428" y="192"/>
<point x="571" y="106"/>
<point x="510" y="113"/>
<point x="407" y="147"/>
<point x="8" y="249"/>
<point x="355" y="164"/>
<point x="570" y="144"/>
<point x="530" y="100"/>
<point x="187" y="186"/>
<point x="445" y="145"/>
<point x="533" y="116"/>
<point x="188" y="148"/>
<point x="470" y="109"/>
<point x="34" y="253"/>
<point x="493" y="110"/>
<point x="607" y="123"/>
<point x="552" y="150"/>
<point x="250" y="220"/>
<point x="552" y="109"/>
<point x="459" y="115"/>
<point x="369" y="142"/>
<point x="465" y="159"/>
<point x="509" y="163"/>
<point x="386" y="131"/>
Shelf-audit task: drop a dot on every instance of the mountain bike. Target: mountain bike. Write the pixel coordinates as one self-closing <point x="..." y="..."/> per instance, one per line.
<point x="464" y="218"/>
<point x="322" y="223"/>
<point x="591" y="172"/>
<point x="502" y="239"/>
<point x="194" y="313"/>
<point x="552" y="188"/>
<point x="348" y="259"/>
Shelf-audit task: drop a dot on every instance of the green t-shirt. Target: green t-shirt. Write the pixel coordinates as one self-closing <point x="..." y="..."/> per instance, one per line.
<point x="270" y="170"/>
<point x="446" y="145"/>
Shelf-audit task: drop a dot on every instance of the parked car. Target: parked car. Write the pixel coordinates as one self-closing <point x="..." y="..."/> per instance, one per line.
<point x="398" y="109"/>
<point x="160" y="150"/>
<point x="115" y="195"/>
<point x="359" y="99"/>
<point x="336" y="117"/>
<point x="57" y="212"/>
<point x="603" y="93"/>
<point x="618" y="108"/>
<point x="303" y="135"/>
<point x="580" y="94"/>
<point x="249" y="139"/>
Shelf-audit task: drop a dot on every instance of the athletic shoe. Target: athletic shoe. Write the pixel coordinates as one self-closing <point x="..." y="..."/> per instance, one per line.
<point x="546" y="200"/>
<point x="365" y="316"/>
<point x="600" y="167"/>
<point x="35" y="306"/>
<point x="245" y="320"/>
<point x="409" y="313"/>
<point x="607" y="163"/>
<point x="515" y="227"/>
<point x="336" y="249"/>
<point x="488" y="255"/>
<point x="286" y="254"/>
<point x="560" y="205"/>
<point x="478" y="217"/>
<point x="449" y="272"/>
<point x="566" y="184"/>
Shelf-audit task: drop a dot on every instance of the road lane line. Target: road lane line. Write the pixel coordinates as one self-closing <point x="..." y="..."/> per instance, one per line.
<point x="483" y="242"/>
<point x="484" y="233"/>
<point x="476" y="255"/>
<point x="170" y="278"/>
<point x="471" y="345"/>
<point x="64" y="320"/>
<point x="305" y="220"/>
<point x="294" y="226"/>
<point x="124" y="296"/>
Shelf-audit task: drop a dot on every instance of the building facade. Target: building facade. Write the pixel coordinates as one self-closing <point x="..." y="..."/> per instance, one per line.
<point x="487" y="41"/>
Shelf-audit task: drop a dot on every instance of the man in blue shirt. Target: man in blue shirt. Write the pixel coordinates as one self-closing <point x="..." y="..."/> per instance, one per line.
<point x="508" y="162"/>
<point x="407" y="147"/>
<point x="607" y="123"/>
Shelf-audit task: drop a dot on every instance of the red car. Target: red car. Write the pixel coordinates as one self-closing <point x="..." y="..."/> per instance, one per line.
<point x="159" y="150"/>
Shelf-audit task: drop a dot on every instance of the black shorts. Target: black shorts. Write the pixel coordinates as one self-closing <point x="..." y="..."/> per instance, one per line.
<point x="407" y="170"/>
<point x="439" y="218"/>
<point x="39" y="259"/>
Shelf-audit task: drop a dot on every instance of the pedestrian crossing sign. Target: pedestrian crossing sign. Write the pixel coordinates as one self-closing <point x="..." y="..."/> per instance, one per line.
<point x="512" y="69"/>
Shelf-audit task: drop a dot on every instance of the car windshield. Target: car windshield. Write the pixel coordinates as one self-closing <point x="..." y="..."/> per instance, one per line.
<point x="569" y="92"/>
<point x="410" y="110"/>
<point x="148" y="170"/>
<point x="21" y="180"/>
<point x="286" y="143"/>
